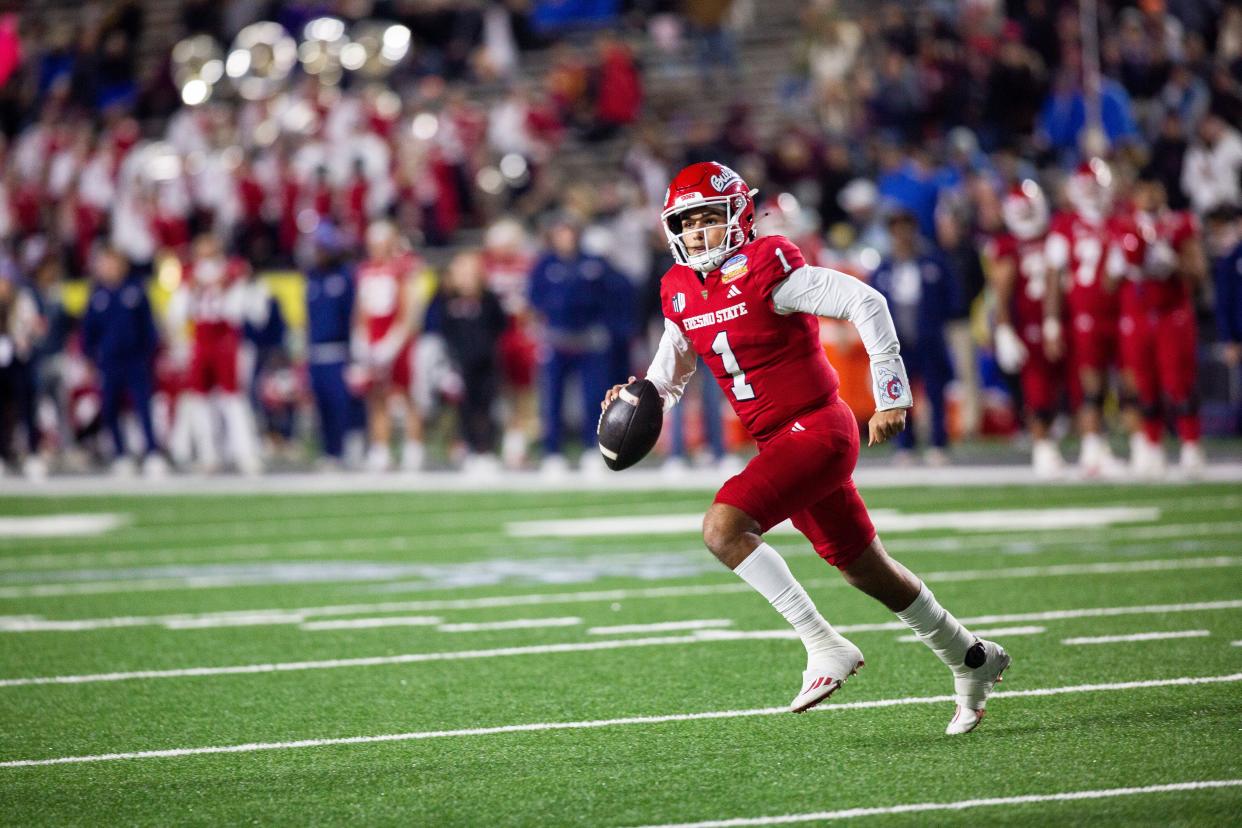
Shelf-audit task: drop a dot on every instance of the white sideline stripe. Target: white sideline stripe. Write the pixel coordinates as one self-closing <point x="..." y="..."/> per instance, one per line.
<point x="30" y="623"/>
<point x="697" y="637"/>
<point x="45" y="526"/>
<point x="1147" y="636"/>
<point x="995" y="632"/>
<point x="704" y="624"/>
<point x="886" y="520"/>
<point x="372" y="623"/>
<point x="35" y="624"/>
<point x="515" y="624"/>
<point x="251" y="747"/>
<point x="960" y="805"/>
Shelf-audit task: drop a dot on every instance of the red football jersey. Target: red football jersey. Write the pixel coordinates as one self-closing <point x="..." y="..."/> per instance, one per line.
<point x="1157" y="283"/>
<point x="381" y="286"/>
<point x="1088" y="254"/>
<point x="1030" y="264"/>
<point x="769" y="365"/>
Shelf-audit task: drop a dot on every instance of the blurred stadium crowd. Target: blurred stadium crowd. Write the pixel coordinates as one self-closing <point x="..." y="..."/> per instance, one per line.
<point x="275" y="245"/>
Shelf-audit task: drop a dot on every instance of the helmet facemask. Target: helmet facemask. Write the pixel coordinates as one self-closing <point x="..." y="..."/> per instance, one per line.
<point x="709" y="258"/>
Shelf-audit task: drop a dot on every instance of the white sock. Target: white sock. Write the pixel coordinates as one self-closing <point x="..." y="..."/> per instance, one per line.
<point x="766" y="571"/>
<point x="937" y="628"/>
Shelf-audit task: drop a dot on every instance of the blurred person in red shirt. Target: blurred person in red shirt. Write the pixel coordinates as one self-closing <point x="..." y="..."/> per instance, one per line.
<point x="1159" y="337"/>
<point x="387" y="312"/>
<point x="205" y="318"/>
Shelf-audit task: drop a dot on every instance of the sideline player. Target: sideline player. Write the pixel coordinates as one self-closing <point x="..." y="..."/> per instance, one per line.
<point x="1085" y="260"/>
<point x="748" y="307"/>
<point x="1019" y="277"/>
<point x="1158" y="332"/>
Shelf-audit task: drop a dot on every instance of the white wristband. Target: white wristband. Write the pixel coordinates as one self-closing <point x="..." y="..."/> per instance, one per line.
<point x="889" y="384"/>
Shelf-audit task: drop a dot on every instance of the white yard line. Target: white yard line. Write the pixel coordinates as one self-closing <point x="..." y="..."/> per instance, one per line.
<point x="959" y="543"/>
<point x="960" y="805"/>
<point x="515" y="624"/>
<point x="52" y="526"/>
<point x="31" y="623"/>
<point x="663" y="626"/>
<point x="698" y="637"/>
<point x="1184" y="681"/>
<point x="221" y="582"/>
<point x="372" y="623"/>
<point x="996" y="632"/>
<point x="1147" y="636"/>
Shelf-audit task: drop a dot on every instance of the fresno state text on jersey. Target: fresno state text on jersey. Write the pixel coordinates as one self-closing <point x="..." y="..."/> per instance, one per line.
<point x="770" y="365"/>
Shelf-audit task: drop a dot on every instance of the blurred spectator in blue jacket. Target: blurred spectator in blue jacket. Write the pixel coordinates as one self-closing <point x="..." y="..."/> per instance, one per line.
<point x="329" y="312"/>
<point x="575" y="296"/>
<point x="922" y="295"/>
<point x="1225" y="240"/>
<point x="119" y="337"/>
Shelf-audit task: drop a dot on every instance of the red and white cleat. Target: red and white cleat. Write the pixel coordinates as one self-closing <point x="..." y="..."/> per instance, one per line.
<point x="825" y="672"/>
<point x="986" y="662"/>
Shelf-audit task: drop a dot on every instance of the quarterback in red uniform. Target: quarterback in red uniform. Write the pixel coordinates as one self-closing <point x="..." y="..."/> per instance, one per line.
<point x="1019" y="276"/>
<point x="1085" y="258"/>
<point x="749" y="306"/>
<point x="1158" y="335"/>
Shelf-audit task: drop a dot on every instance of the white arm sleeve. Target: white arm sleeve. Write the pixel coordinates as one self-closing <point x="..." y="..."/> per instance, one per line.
<point x="831" y="293"/>
<point x="673" y="364"/>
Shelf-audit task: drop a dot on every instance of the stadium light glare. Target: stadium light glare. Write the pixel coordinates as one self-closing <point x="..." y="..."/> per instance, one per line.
<point x="195" y="92"/>
<point x="490" y="180"/>
<point x="238" y="63"/>
<point x="424" y="126"/>
<point x="353" y="55"/>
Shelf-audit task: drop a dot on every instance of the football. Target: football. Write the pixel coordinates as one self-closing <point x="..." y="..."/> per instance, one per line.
<point x="630" y="425"/>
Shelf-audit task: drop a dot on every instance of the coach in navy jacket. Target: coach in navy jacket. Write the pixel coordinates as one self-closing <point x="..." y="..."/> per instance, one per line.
<point x="923" y="295"/>
<point x="119" y="336"/>
<point x="586" y="308"/>
<point x="1225" y="236"/>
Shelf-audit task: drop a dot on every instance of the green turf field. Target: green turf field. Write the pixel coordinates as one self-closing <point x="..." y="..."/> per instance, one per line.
<point x="441" y="659"/>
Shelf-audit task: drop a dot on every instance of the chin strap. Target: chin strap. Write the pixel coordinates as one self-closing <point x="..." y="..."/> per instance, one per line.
<point x="889" y="384"/>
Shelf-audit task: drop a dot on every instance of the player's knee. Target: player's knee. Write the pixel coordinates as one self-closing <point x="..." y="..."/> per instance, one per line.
<point x="723" y="528"/>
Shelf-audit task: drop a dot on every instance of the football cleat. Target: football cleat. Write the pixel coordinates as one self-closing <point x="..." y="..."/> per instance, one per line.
<point x="826" y="671"/>
<point x="1192" y="460"/>
<point x="1046" y="460"/>
<point x="986" y="662"/>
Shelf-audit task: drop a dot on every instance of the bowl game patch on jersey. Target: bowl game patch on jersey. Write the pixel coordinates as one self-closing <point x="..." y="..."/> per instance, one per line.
<point x="734" y="268"/>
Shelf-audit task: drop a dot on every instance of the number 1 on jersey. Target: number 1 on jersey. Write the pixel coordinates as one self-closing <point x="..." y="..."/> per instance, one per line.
<point x="741" y="390"/>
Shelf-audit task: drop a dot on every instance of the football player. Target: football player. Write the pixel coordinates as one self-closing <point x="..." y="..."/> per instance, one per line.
<point x="387" y="314"/>
<point x="1019" y="275"/>
<point x="1158" y="333"/>
<point x="748" y="306"/>
<point x="211" y="299"/>
<point x="1085" y="260"/>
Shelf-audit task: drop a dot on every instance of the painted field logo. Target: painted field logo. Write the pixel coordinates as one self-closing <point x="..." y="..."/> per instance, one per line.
<point x="734" y="268"/>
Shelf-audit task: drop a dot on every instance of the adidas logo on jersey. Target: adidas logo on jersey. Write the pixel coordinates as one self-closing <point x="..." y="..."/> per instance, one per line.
<point x="733" y="291"/>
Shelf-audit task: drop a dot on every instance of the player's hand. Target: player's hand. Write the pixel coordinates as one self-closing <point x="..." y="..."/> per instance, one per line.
<point x="614" y="392"/>
<point x="885" y="424"/>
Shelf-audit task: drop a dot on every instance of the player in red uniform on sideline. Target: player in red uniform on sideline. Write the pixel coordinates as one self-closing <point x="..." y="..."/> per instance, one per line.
<point x="1019" y="277"/>
<point x="748" y="307"/>
<point x="1158" y="332"/>
<point x="211" y="299"/>
<point x="1085" y="260"/>
<point x="387" y="315"/>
